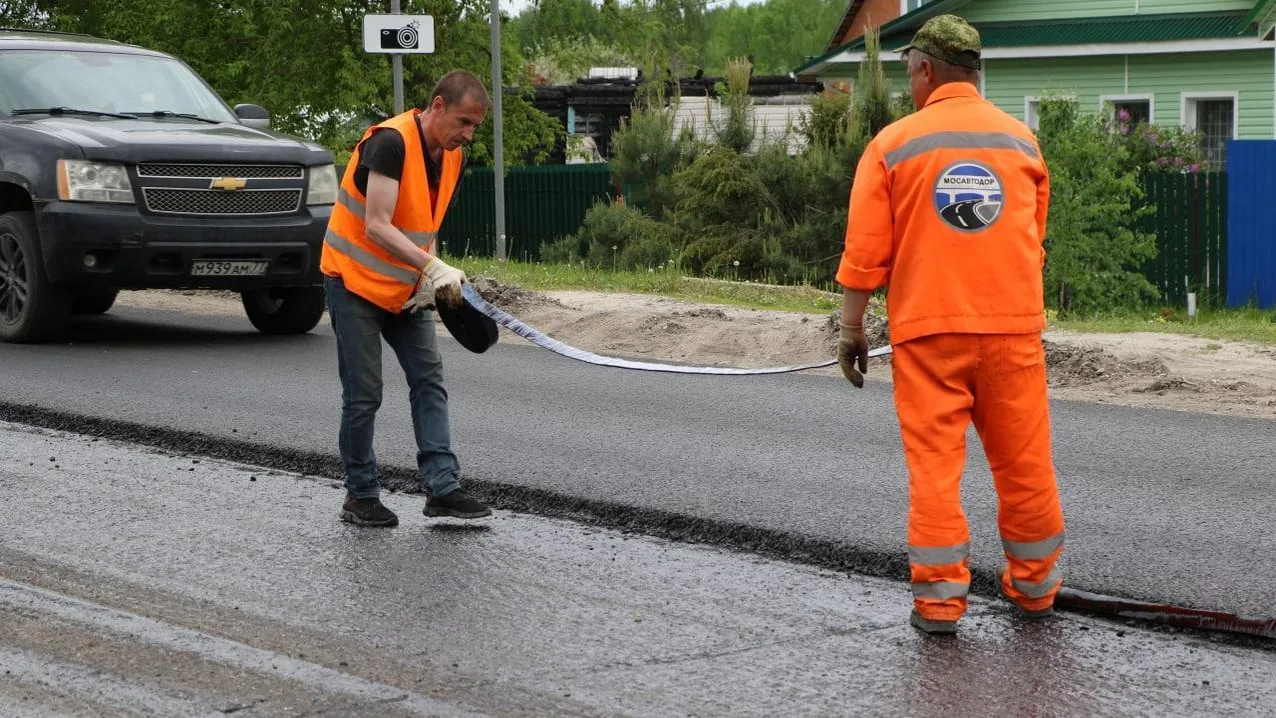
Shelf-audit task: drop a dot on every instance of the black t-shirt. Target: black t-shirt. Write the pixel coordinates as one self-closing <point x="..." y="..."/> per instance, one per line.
<point x="384" y="152"/>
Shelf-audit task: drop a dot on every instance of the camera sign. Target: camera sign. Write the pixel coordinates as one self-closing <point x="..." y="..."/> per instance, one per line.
<point x="398" y="34"/>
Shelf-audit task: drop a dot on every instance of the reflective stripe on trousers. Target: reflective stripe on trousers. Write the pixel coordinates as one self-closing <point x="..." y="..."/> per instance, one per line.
<point x="1035" y="550"/>
<point x="938" y="555"/>
<point x="941" y="590"/>
<point x="1040" y="589"/>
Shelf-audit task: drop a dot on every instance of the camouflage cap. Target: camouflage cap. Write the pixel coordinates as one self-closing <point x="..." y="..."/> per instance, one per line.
<point x="948" y="38"/>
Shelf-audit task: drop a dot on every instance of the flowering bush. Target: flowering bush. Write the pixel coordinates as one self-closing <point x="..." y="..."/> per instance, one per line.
<point x="1155" y="147"/>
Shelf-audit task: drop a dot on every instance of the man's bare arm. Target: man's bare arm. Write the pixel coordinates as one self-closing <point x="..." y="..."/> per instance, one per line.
<point x="383" y="194"/>
<point x="854" y="303"/>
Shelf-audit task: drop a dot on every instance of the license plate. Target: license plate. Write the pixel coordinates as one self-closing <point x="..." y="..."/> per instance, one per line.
<point x="225" y="268"/>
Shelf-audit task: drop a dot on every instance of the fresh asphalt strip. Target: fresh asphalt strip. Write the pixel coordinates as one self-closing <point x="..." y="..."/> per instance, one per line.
<point x="740" y="537"/>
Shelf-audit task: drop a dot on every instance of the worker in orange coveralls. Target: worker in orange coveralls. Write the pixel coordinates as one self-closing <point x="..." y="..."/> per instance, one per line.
<point x="949" y="209"/>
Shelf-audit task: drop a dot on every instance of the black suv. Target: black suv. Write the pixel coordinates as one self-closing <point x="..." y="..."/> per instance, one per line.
<point x="120" y="168"/>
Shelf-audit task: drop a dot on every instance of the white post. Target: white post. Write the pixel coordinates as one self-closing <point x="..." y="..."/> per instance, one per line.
<point x="498" y="137"/>
<point x="396" y="62"/>
<point x="1191" y="305"/>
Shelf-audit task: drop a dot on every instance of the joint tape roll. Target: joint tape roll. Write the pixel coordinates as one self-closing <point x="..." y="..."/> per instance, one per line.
<point x="540" y="339"/>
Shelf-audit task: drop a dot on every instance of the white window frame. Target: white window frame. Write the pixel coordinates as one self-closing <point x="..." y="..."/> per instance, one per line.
<point x="1028" y="112"/>
<point x="903" y="6"/>
<point x="1148" y="97"/>
<point x="1187" y="108"/>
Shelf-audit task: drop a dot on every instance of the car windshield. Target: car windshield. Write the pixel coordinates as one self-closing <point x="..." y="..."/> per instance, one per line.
<point x="104" y="82"/>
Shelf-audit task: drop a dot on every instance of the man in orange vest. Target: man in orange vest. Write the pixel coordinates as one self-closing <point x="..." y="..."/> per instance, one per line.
<point x="382" y="276"/>
<point x="949" y="209"/>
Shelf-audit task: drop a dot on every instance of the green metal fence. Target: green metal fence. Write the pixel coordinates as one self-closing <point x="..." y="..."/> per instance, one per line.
<point x="545" y="203"/>
<point x="1190" y="223"/>
<point x="542" y="204"/>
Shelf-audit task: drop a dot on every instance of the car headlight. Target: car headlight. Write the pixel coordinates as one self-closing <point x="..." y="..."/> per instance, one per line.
<point x="323" y="185"/>
<point x="81" y="181"/>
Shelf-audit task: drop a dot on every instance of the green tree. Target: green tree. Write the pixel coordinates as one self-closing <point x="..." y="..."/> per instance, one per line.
<point x="646" y="152"/>
<point x="303" y="59"/>
<point x="873" y="91"/>
<point x="777" y="34"/>
<point x="1093" y="245"/>
<point x="737" y="129"/>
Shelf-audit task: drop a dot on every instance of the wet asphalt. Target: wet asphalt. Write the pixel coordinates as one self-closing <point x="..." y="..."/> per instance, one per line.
<point x="135" y="581"/>
<point x="1160" y="506"/>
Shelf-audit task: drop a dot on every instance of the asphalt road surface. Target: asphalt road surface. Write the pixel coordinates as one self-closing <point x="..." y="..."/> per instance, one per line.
<point x="1161" y="506"/>
<point x="136" y="582"/>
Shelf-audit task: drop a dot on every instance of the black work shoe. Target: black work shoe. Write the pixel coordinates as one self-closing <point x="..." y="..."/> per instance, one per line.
<point x="368" y="512"/>
<point x="929" y="626"/>
<point x="457" y="504"/>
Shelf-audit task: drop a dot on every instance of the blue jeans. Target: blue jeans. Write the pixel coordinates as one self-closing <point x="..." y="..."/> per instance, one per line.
<point x="359" y="326"/>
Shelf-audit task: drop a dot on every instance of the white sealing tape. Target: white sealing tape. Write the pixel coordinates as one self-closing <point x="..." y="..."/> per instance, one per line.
<point x="540" y="339"/>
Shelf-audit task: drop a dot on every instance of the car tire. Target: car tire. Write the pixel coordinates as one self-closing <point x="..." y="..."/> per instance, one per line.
<point x="94" y="301"/>
<point x="32" y="310"/>
<point x="284" y="310"/>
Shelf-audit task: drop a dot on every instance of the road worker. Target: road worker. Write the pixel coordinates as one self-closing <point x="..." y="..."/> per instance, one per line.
<point x="382" y="276"/>
<point x="948" y="209"/>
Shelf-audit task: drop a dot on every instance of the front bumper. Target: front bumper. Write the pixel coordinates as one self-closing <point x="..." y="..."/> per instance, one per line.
<point x="137" y="251"/>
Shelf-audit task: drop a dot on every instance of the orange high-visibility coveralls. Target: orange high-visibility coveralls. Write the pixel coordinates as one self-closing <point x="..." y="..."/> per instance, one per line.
<point x="949" y="209"/>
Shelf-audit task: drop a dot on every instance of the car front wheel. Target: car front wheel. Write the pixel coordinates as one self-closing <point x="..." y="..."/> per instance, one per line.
<point x="284" y="310"/>
<point x="31" y="309"/>
<point x="94" y="301"/>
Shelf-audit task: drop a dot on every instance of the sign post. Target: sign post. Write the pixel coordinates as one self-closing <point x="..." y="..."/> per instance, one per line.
<point x="498" y="135"/>
<point x="398" y="35"/>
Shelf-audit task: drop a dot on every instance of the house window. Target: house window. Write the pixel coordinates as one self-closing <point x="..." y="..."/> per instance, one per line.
<point x="1130" y="108"/>
<point x="1215" y="117"/>
<point x="1032" y="113"/>
<point x="907" y="6"/>
<point x="588" y="123"/>
<point x="1136" y="110"/>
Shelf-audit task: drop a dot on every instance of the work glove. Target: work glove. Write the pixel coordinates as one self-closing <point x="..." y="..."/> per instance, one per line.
<point x="437" y="278"/>
<point x="422" y="296"/>
<point x="852" y="353"/>
<point x="446" y="280"/>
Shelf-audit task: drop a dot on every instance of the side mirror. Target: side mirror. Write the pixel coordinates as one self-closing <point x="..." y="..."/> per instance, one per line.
<point x="254" y="116"/>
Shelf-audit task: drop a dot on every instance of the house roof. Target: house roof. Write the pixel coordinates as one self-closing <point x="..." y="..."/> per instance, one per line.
<point x="852" y="9"/>
<point x="913" y="19"/>
<point x="1262" y="8"/>
<point x="1107" y="30"/>
<point x="1069" y="31"/>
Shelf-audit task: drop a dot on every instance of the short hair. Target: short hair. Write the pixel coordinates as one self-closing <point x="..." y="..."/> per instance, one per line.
<point x="944" y="71"/>
<point x="458" y="85"/>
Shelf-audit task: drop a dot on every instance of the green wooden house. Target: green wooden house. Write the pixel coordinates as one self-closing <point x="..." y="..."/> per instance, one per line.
<point x="1208" y="65"/>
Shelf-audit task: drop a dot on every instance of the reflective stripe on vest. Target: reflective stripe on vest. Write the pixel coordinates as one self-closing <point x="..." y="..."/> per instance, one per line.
<point x="352" y="203"/>
<point x="958" y="141"/>
<point x="369" y="260"/>
<point x="359" y="209"/>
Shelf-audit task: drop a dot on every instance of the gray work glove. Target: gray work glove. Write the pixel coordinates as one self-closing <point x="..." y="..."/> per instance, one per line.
<point x="437" y="280"/>
<point x="852" y="353"/>
<point x="422" y="296"/>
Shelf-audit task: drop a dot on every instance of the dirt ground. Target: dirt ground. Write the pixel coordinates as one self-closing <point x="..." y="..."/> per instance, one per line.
<point x="1144" y="369"/>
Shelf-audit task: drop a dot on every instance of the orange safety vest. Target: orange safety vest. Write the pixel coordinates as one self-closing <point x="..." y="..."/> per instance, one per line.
<point x="365" y="267"/>
<point x="949" y="208"/>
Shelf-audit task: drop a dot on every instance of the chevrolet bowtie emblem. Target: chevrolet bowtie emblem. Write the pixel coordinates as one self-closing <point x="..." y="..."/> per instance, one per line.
<point x="229" y="184"/>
